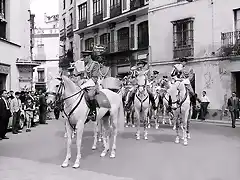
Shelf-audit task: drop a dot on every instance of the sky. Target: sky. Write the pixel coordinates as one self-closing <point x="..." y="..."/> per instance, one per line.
<point x="39" y="7"/>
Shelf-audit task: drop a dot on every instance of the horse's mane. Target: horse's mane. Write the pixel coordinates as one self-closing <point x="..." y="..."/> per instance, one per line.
<point x="70" y="84"/>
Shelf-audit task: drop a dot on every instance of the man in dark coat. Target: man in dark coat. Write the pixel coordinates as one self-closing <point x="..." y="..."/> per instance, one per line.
<point x="42" y="108"/>
<point x="4" y="115"/>
<point x="233" y="106"/>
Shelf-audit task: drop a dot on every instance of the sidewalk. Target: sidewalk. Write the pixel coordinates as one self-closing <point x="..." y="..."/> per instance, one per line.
<point x="21" y="169"/>
<point x="216" y="121"/>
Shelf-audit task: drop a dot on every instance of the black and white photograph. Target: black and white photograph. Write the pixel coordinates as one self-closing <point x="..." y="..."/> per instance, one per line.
<point x="120" y="89"/>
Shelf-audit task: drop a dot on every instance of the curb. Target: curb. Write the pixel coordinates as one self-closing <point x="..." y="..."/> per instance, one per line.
<point x="215" y="121"/>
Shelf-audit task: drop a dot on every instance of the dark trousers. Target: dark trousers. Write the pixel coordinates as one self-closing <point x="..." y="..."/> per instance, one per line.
<point x="194" y="112"/>
<point x="234" y="115"/>
<point x="16" y="120"/>
<point x="203" y="110"/>
<point x="42" y="115"/>
<point x="3" y="126"/>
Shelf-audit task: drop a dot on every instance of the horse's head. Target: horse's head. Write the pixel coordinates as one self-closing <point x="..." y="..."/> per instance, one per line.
<point x="176" y="92"/>
<point x="55" y="88"/>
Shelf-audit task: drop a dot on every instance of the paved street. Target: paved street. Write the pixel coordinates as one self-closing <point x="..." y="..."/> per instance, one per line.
<point x="212" y="154"/>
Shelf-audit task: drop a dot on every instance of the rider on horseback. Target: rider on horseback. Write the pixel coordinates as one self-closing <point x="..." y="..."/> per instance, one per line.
<point x="180" y="74"/>
<point x="136" y="71"/>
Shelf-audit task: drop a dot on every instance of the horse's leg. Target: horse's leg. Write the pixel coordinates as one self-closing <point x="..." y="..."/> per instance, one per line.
<point x="128" y="118"/>
<point x="104" y="123"/>
<point x="114" y="122"/>
<point x="94" y="146"/>
<point x="65" y="134"/>
<point x="185" y="122"/>
<point x="79" y="132"/>
<point x="137" y="124"/>
<point x="100" y="130"/>
<point x="69" y="143"/>
<point x="164" y="114"/>
<point x="132" y="117"/>
<point x="145" y="117"/>
<point x="149" y="115"/>
<point x="188" y="132"/>
<point x="177" y="140"/>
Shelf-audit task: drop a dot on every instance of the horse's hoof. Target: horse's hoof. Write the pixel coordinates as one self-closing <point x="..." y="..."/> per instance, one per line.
<point x="99" y="140"/>
<point x="64" y="164"/>
<point x="112" y="155"/>
<point x="126" y="126"/>
<point x="76" y="165"/>
<point x="149" y="126"/>
<point x="185" y="143"/>
<point x="174" y="128"/>
<point x="94" y="147"/>
<point x="138" y="138"/>
<point x="103" y="154"/>
<point x="133" y="126"/>
<point x="146" y="138"/>
<point x="177" y="141"/>
<point x="156" y="127"/>
<point x="163" y="123"/>
<point x="188" y="136"/>
<point x="65" y="135"/>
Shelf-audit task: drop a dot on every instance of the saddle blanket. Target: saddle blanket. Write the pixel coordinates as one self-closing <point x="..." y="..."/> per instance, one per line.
<point x="102" y="100"/>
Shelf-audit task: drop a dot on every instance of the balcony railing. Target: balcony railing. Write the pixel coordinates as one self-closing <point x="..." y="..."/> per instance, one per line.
<point x="183" y="52"/>
<point x="119" y="46"/>
<point x="143" y="42"/>
<point x="41" y="80"/>
<point x="230" y="43"/>
<point x="82" y="24"/>
<point x="97" y="18"/>
<point x="115" y="10"/>
<point x="70" y="31"/>
<point x="62" y="34"/>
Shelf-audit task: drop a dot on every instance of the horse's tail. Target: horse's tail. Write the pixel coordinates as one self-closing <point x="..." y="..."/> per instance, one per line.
<point x="121" y="117"/>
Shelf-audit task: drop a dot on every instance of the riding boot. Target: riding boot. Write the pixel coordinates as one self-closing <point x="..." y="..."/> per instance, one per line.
<point x="131" y="99"/>
<point x="151" y="98"/>
<point x="93" y="110"/>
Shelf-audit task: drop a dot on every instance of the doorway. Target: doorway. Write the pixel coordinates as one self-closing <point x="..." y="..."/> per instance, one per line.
<point x="3" y="78"/>
<point x="237" y="84"/>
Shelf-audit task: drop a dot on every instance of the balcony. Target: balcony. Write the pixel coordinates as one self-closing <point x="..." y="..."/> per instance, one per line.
<point x="97" y="18"/>
<point x="119" y="46"/>
<point x="82" y="24"/>
<point x="62" y="34"/>
<point x="143" y="42"/>
<point x="70" y="31"/>
<point x="115" y="10"/>
<point x="230" y="43"/>
<point x="183" y="52"/>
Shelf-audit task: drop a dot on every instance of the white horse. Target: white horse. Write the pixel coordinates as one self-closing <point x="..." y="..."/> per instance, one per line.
<point x="141" y="105"/>
<point x="76" y="110"/>
<point x="180" y="104"/>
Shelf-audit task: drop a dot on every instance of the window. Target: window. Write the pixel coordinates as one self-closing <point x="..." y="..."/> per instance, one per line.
<point x="89" y="43"/>
<point x="41" y="75"/>
<point x="105" y="5"/>
<point x="124" y="5"/>
<point x="183" y="37"/>
<point x="237" y="19"/>
<point x="3" y="23"/>
<point x="82" y="9"/>
<point x="2" y="9"/>
<point x="71" y="19"/>
<point x="64" y="23"/>
<point x="71" y="1"/>
<point x="143" y="36"/>
<point x="97" y="7"/>
<point x="64" y="4"/>
<point x="105" y="39"/>
<point x="114" y="3"/>
<point x="71" y="45"/>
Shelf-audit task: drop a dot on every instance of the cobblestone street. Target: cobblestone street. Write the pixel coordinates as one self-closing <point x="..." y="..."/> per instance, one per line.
<point x="212" y="154"/>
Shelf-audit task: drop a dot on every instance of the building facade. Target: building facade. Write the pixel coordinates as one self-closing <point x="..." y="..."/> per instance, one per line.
<point x="15" y="44"/>
<point x="120" y="26"/>
<point x="206" y="33"/>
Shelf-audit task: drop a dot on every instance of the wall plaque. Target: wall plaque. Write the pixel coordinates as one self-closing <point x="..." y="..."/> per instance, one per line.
<point x="4" y="69"/>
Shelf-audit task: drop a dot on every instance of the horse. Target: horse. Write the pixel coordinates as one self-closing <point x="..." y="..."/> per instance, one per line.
<point x="141" y="106"/>
<point x="165" y="103"/>
<point x="180" y="104"/>
<point x="76" y="109"/>
<point x="157" y="99"/>
<point x="129" y="113"/>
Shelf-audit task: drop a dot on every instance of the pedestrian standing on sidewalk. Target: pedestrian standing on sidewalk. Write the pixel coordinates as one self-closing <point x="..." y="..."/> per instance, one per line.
<point x="233" y="106"/>
<point x="15" y="107"/>
<point x="204" y="105"/>
<point x="29" y="109"/>
<point x="4" y="115"/>
<point x="42" y="108"/>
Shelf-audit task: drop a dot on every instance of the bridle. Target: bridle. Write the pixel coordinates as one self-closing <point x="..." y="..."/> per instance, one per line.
<point x="60" y="100"/>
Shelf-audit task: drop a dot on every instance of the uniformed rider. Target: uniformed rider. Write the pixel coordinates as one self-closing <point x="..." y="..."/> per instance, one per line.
<point x="179" y="73"/>
<point x="136" y="71"/>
